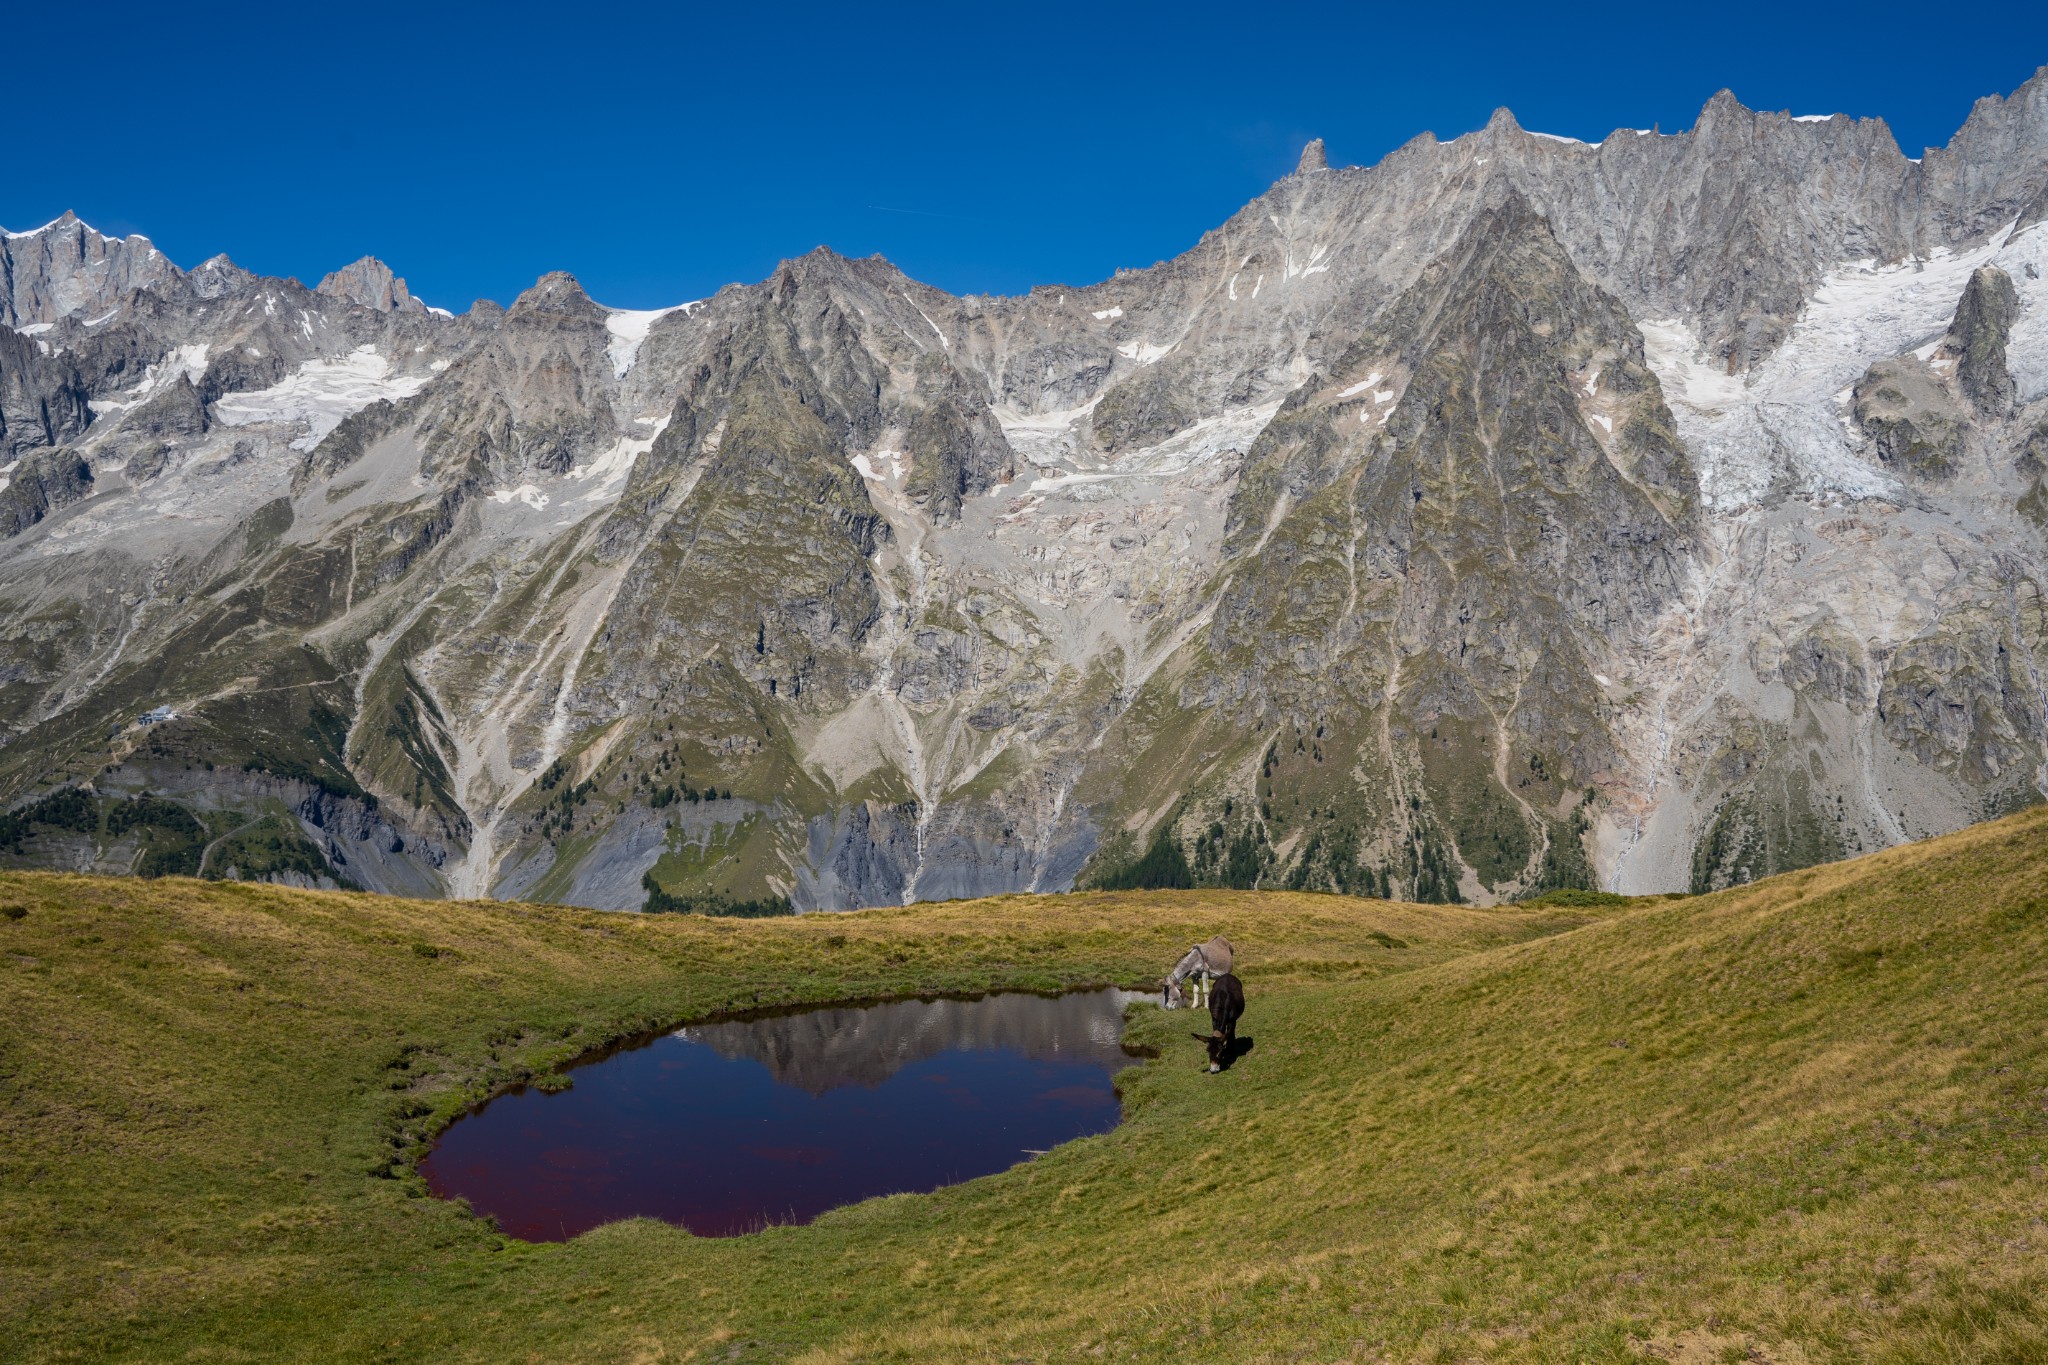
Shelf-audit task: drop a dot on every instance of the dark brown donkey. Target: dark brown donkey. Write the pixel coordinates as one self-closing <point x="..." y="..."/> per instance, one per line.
<point x="1226" y="1007"/>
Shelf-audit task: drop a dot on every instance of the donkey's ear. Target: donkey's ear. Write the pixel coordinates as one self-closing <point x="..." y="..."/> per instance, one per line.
<point x="1199" y="1037"/>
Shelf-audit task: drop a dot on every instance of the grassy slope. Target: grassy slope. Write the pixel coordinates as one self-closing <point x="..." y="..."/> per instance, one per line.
<point x="1805" y="1118"/>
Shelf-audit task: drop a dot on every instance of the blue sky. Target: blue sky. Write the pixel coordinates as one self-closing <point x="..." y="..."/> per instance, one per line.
<point x="659" y="152"/>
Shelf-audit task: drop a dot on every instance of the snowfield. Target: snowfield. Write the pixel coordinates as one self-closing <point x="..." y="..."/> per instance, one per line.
<point x="1781" y="428"/>
<point x="629" y="327"/>
<point x="321" y="395"/>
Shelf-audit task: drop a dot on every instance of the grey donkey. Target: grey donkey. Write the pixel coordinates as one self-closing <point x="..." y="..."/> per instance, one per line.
<point x="1204" y="963"/>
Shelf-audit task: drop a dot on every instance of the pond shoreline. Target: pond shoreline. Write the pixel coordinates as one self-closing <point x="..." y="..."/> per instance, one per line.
<point x="747" y="1118"/>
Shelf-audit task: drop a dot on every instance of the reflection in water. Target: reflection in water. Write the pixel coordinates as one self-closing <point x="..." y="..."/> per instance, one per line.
<point x="728" y="1126"/>
<point x="820" y="1049"/>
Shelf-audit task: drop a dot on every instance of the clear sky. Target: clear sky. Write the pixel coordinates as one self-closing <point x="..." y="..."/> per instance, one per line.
<point x="658" y="152"/>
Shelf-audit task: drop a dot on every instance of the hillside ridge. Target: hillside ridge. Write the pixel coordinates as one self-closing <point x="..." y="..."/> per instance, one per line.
<point x="1800" y="1119"/>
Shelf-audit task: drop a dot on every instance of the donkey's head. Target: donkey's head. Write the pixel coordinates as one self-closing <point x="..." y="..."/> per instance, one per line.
<point x="1171" y="995"/>
<point x="1218" y="1046"/>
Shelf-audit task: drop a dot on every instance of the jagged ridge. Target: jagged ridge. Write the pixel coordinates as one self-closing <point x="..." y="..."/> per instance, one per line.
<point x="1512" y="514"/>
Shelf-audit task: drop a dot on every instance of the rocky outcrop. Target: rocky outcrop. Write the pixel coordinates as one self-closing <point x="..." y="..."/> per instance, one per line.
<point x="1918" y="409"/>
<point x="956" y="447"/>
<point x="40" y="484"/>
<point x="1911" y="419"/>
<point x="44" y="400"/>
<point x="149" y="435"/>
<point x="369" y="283"/>
<point x="864" y="854"/>
<point x="1978" y="336"/>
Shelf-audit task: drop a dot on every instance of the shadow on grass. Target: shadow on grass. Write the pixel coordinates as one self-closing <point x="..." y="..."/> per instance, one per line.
<point x="1225" y="1057"/>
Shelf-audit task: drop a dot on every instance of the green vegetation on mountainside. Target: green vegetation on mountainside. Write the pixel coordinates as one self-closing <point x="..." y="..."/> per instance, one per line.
<point x="1408" y="619"/>
<point x="1800" y="1120"/>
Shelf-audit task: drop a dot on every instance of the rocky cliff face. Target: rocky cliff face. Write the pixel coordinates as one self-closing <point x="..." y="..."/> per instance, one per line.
<point x="1515" y="513"/>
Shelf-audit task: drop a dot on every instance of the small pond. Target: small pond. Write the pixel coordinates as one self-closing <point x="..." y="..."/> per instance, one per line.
<point x="726" y="1127"/>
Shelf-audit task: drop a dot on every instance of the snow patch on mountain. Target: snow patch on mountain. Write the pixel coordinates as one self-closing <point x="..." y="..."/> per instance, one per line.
<point x="1674" y="353"/>
<point x="629" y="327"/>
<point x="1231" y="431"/>
<point x="2025" y="259"/>
<point x="607" y="474"/>
<point x="35" y="232"/>
<point x="1044" y="438"/>
<point x="321" y="394"/>
<point x="882" y="466"/>
<point x="1863" y="311"/>
<point x="943" y="342"/>
<point x="189" y="361"/>
<point x="1780" y="429"/>
<point x="525" y="493"/>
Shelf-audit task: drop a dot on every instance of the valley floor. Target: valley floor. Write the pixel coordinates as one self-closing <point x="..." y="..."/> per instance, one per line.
<point x="1803" y="1120"/>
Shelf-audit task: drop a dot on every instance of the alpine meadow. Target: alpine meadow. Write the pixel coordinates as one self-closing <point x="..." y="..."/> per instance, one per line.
<point x="1529" y="658"/>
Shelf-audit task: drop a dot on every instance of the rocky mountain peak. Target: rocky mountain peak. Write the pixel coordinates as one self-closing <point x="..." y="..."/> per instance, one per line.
<point x="370" y="284"/>
<point x="2018" y="119"/>
<point x="218" y="276"/>
<point x="1991" y="170"/>
<point x="821" y="265"/>
<point x="1313" y="158"/>
<point x="63" y="222"/>
<point x="556" y="292"/>
<point x="1722" y="114"/>
<point x="67" y="267"/>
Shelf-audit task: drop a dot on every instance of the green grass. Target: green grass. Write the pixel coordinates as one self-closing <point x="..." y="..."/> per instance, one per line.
<point x="1804" y="1120"/>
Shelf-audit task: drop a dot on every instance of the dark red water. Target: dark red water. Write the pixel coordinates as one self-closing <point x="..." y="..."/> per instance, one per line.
<point x="724" y="1128"/>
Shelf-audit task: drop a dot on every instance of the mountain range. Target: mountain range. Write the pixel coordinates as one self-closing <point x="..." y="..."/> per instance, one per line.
<point x="1514" y="514"/>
